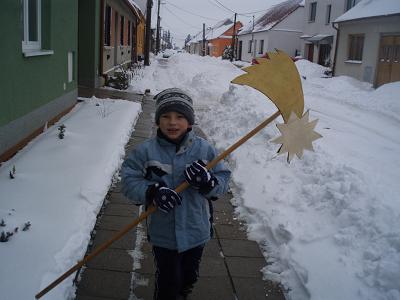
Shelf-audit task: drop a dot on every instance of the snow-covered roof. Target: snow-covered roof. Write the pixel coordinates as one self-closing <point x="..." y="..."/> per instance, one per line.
<point x="214" y="32"/>
<point x="371" y="8"/>
<point x="138" y="5"/>
<point x="272" y="17"/>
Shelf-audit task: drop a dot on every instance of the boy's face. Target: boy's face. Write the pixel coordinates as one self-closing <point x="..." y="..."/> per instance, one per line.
<point x="174" y="125"/>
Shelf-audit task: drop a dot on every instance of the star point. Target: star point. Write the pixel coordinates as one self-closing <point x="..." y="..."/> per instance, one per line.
<point x="297" y="135"/>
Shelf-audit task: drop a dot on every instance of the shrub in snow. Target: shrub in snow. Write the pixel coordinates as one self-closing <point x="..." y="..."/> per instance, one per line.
<point x="61" y="130"/>
<point x="12" y="173"/>
<point x="27" y="225"/>
<point x="103" y="108"/>
<point x="2" y="223"/>
<point x="227" y="54"/>
<point x="5" y="236"/>
<point x="120" y="80"/>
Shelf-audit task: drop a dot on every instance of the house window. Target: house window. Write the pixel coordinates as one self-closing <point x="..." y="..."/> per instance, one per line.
<point x="313" y="11"/>
<point x="328" y="14"/>
<point x="70" y="66"/>
<point x="261" y="48"/>
<point x="250" y="44"/>
<point x="356" y="44"/>
<point x="31" y="18"/>
<point x="107" y="26"/>
<point x="350" y="4"/>
<point x="129" y="33"/>
<point x="122" y="23"/>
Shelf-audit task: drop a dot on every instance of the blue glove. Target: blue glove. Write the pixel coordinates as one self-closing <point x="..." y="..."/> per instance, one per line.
<point x="166" y="199"/>
<point x="199" y="177"/>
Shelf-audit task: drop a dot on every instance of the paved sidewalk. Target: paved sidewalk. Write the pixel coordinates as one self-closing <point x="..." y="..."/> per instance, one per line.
<point x="231" y="264"/>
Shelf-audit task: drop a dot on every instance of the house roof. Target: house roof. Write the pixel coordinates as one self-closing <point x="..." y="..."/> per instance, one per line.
<point x="273" y="16"/>
<point x="138" y="6"/>
<point x="371" y="8"/>
<point x="216" y="31"/>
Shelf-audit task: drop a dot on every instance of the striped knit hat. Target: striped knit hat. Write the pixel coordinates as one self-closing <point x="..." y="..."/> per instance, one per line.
<point x="174" y="99"/>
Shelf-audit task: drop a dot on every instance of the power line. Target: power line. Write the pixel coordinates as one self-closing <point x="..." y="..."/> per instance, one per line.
<point x="174" y="31"/>
<point x="253" y="12"/>
<point x="179" y="18"/>
<point x="224" y="6"/>
<point x="247" y="14"/>
<point x="191" y="12"/>
<point x="213" y="3"/>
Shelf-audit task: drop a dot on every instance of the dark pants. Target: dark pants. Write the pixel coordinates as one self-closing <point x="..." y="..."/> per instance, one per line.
<point x="175" y="272"/>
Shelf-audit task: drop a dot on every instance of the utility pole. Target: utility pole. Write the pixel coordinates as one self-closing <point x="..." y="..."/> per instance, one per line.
<point x="148" y="33"/>
<point x="233" y="39"/>
<point x="158" y="29"/>
<point x="252" y="41"/>
<point x="204" y="39"/>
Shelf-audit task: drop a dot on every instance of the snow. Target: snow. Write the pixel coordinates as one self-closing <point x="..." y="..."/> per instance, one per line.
<point x="328" y="225"/>
<point x="273" y="16"/>
<point x="139" y="4"/>
<point x="213" y="32"/>
<point x="371" y="8"/>
<point x="59" y="187"/>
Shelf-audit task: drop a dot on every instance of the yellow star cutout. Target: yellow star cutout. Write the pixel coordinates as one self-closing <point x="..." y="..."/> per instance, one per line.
<point x="297" y="135"/>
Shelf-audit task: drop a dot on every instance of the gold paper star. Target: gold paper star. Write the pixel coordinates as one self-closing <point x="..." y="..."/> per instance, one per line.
<point x="297" y="135"/>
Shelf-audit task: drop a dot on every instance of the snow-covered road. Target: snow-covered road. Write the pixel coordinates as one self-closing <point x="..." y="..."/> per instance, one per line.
<point x="329" y="224"/>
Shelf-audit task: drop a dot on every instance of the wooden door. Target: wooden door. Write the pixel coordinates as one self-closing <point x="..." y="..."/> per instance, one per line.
<point x="240" y="50"/>
<point x="388" y="60"/>
<point x="324" y="58"/>
<point x="310" y="52"/>
<point x="395" y="73"/>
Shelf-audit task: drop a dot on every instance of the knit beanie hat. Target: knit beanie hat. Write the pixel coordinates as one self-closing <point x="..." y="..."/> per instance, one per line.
<point x="174" y="99"/>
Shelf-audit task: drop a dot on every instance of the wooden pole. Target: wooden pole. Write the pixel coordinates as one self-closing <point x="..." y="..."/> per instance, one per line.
<point x="233" y="39"/>
<point x="158" y="29"/>
<point x="147" y="42"/>
<point x="152" y="209"/>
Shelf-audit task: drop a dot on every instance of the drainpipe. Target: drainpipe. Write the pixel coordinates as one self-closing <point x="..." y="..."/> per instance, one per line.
<point x="336" y="48"/>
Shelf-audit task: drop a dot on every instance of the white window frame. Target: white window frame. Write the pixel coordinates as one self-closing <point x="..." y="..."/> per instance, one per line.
<point x="328" y="14"/>
<point x="70" y="59"/>
<point x="27" y="45"/>
<point x="261" y="47"/>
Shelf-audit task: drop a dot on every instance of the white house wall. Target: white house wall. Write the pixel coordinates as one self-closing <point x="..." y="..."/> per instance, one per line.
<point x="319" y="26"/>
<point x="373" y="28"/>
<point x="284" y="36"/>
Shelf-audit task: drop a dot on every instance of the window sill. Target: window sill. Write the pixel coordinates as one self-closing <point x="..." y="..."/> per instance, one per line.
<point x="30" y="53"/>
<point x="359" y="62"/>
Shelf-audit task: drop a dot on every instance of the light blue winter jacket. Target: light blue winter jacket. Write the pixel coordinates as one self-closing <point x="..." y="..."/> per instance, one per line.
<point x="157" y="160"/>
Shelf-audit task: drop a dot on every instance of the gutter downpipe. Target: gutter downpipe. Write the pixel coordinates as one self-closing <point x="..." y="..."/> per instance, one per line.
<point x="336" y="48"/>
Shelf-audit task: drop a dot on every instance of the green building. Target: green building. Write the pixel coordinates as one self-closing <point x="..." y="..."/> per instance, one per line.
<point x="38" y="56"/>
<point x="43" y="65"/>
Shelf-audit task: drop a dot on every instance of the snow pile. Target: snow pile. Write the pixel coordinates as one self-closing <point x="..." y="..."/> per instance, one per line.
<point x="192" y="78"/>
<point x="329" y="224"/>
<point x="59" y="187"/>
<point x="309" y="70"/>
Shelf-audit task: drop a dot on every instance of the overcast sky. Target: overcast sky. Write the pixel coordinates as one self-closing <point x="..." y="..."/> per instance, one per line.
<point x="183" y="17"/>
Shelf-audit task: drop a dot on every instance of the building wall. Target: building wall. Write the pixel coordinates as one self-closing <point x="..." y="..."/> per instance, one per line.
<point x="117" y="53"/>
<point x="319" y="26"/>
<point x="373" y="28"/>
<point x="88" y="46"/>
<point x="219" y="44"/>
<point x="140" y="38"/>
<point x="284" y="36"/>
<point x="31" y="83"/>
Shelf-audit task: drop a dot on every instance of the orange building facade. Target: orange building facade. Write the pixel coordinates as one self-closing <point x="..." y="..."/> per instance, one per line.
<point x="217" y="45"/>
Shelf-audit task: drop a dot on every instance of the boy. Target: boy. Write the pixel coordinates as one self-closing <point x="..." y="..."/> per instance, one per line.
<point x="180" y="227"/>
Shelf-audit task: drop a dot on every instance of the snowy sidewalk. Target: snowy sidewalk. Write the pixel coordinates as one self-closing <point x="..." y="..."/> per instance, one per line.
<point x="231" y="264"/>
